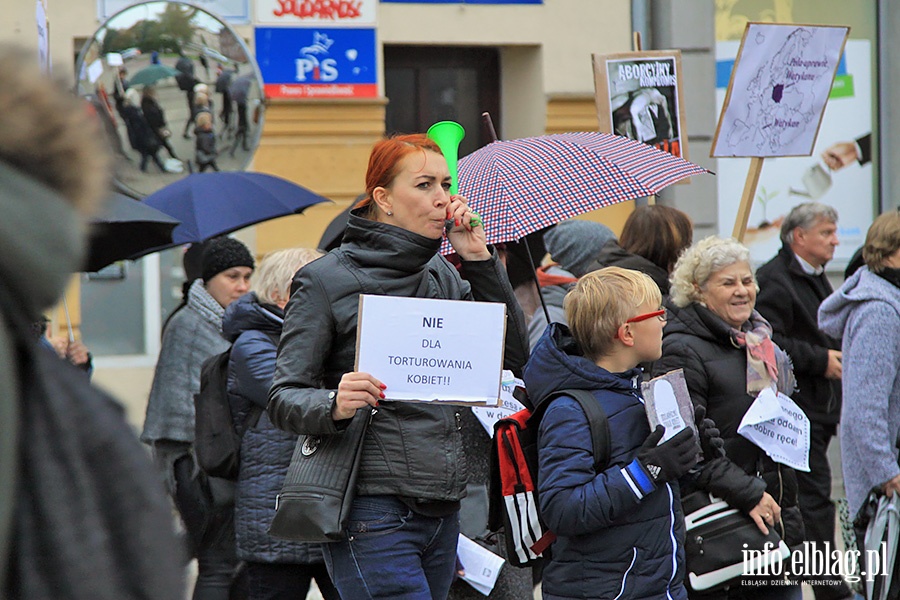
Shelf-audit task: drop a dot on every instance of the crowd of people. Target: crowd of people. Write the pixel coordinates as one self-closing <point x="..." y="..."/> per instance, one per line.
<point x="94" y="521"/>
<point x="148" y="131"/>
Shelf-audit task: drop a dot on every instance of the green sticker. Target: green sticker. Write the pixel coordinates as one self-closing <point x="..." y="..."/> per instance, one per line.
<point x="843" y="87"/>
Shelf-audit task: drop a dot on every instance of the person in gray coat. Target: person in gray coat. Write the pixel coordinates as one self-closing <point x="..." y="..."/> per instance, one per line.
<point x="403" y="525"/>
<point x="276" y="569"/>
<point x="193" y="335"/>
<point x="573" y="245"/>
<point x="865" y="312"/>
<point x="653" y="237"/>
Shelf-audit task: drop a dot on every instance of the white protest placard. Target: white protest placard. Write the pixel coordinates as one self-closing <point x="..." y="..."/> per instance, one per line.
<point x="428" y="350"/>
<point x="668" y="403"/>
<point x="488" y="415"/>
<point x="43" y="37"/>
<point x="639" y="96"/>
<point x="776" y="424"/>
<point x="95" y="70"/>
<point x="778" y="90"/>
<point x="482" y="566"/>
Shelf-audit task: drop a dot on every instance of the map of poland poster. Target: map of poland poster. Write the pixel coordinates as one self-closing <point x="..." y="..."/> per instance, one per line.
<point x="778" y="90"/>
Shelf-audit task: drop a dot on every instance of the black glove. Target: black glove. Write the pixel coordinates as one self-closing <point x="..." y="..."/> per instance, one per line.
<point x="711" y="442"/>
<point x="671" y="459"/>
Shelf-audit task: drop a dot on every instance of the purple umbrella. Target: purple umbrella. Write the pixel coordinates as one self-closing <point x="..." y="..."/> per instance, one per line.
<point x="521" y="186"/>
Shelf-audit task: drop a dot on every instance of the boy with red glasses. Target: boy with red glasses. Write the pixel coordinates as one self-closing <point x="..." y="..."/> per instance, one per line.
<point x="619" y="528"/>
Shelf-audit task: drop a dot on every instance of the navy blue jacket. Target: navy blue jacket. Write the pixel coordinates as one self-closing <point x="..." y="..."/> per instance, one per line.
<point x="254" y="330"/>
<point x="619" y="535"/>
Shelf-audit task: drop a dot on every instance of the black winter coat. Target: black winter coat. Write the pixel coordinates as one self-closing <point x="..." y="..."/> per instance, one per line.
<point x="613" y="255"/>
<point x="254" y="329"/>
<point x="140" y="135"/>
<point x="153" y="112"/>
<point x="698" y="341"/>
<point x="410" y="450"/>
<point x="789" y="299"/>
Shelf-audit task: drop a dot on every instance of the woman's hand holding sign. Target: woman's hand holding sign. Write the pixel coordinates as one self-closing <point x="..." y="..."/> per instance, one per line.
<point x="356" y="390"/>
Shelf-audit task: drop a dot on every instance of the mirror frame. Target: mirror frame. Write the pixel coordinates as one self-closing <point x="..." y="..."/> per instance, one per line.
<point x="113" y="122"/>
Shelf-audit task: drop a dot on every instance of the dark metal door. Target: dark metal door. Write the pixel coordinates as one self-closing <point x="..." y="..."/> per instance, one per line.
<point x="427" y="84"/>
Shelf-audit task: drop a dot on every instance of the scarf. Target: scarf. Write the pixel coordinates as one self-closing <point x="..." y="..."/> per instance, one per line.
<point x="767" y="364"/>
<point x="546" y="279"/>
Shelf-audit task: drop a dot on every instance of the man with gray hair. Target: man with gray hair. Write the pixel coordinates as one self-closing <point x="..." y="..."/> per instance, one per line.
<point x="791" y="287"/>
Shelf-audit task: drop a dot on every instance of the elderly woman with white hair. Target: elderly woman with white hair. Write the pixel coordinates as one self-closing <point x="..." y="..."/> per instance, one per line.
<point x="276" y="568"/>
<point x="715" y="335"/>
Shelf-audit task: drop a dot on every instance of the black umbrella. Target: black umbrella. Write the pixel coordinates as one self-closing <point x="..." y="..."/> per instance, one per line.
<point x="124" y="229"/>
<point x="334" y="233"/>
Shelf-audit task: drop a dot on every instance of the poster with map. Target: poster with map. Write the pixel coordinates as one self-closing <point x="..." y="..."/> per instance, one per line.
<point x="778" y="90"/>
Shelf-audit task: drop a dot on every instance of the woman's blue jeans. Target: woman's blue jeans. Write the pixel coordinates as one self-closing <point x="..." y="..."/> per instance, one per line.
<point x="392" y="552"/>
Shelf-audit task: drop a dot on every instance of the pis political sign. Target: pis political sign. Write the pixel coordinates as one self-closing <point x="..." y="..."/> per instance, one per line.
<point x="317" y="62"/>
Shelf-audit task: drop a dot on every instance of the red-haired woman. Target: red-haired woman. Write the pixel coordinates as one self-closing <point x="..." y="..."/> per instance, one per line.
<point x="402" y="532"/>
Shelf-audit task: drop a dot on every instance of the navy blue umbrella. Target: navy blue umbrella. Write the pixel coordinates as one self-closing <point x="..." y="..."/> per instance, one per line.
<point x="211" y="204"/>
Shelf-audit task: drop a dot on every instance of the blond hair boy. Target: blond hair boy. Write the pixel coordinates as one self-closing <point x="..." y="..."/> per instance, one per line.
<point x="619" y="527"/>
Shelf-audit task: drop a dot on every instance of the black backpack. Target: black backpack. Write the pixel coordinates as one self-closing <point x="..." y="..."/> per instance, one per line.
<point x="217" y="445"/>
<point x="514" y="507"/>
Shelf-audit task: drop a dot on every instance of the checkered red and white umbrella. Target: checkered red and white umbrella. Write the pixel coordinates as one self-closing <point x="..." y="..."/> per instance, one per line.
<point x="521" y="186"/>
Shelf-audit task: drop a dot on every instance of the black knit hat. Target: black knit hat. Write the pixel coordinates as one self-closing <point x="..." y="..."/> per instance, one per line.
<point x="223" y="253"/>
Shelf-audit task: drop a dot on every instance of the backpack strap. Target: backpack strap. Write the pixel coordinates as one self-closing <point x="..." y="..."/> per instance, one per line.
<point x="596" y="416"/>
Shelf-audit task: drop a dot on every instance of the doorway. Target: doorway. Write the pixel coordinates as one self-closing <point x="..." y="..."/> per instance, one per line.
<point x="427" y="84"/>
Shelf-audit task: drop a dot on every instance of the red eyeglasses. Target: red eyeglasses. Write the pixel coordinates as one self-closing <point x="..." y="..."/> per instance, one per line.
<point x="661" y="313"/>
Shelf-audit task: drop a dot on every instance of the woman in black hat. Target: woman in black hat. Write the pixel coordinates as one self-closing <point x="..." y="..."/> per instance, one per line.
<point x="192" y="335"/>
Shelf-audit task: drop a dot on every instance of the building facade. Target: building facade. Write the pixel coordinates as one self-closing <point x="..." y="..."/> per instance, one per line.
<point x="526" y="62"/>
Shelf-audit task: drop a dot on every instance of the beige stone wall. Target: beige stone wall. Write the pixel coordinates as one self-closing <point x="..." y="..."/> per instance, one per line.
<point x="546" y="86"/>
<point x="323" y="146"/>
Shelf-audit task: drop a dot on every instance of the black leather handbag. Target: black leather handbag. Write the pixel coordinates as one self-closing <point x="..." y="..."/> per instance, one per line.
<point x="722" y="544"/>
<point x="320" y="484"/>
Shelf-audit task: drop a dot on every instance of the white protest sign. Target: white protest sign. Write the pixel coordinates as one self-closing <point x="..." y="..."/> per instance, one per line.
<point x="667" y="407"/>
<point x="114" y="59"/>
<point x="488" y="415"/>
<point x="668" y="403"/>
<point x="95" y="70"/>
<point x="43" y="37"/>
<point x="779" y="87"/>
<point x="480" y="564"/>
<point x="429" y="350"/>
<point x="776" y="424"/>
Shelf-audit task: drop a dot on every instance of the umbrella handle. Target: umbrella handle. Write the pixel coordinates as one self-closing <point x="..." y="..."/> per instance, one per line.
<point x="68" y="320"/>
<point x="489" y="123"/>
